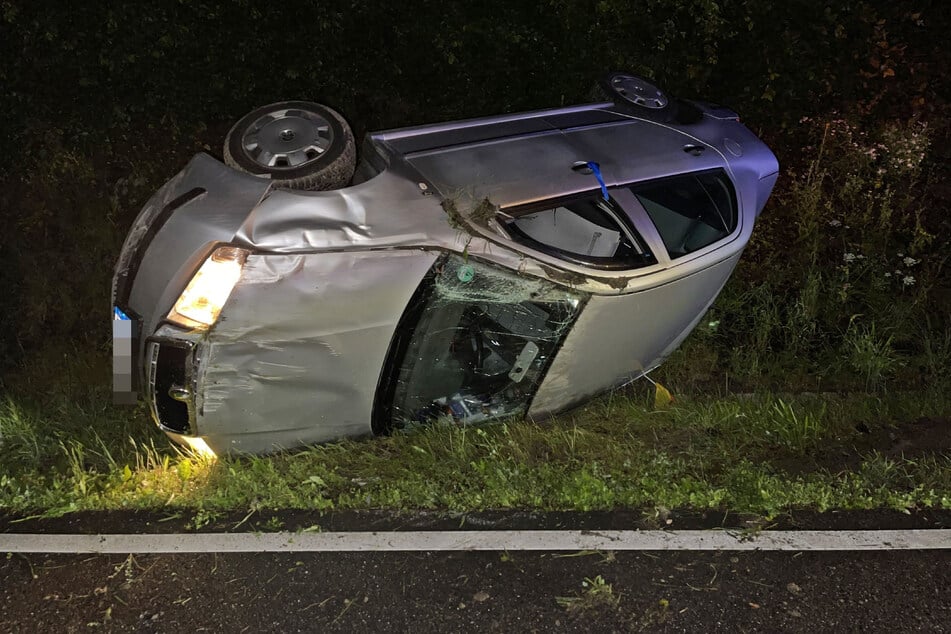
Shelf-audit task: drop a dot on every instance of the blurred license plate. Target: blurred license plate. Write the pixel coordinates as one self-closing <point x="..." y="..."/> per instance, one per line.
<point x="124" y="344"/>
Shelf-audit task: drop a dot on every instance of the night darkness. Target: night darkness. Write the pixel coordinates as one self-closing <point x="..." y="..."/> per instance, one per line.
<point x="104" y="102"/>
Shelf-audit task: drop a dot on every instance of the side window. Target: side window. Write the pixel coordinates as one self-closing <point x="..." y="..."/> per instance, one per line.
<point x="690" y="211"/>
<point x="587" y="231"/>
<point x="477" y="343"/>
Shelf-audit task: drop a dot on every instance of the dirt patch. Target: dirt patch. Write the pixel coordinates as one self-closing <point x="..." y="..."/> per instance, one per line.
<point x="921" y="438"/>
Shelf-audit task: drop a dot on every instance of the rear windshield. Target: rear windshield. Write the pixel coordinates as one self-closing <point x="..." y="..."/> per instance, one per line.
<point x="690" y="211"/>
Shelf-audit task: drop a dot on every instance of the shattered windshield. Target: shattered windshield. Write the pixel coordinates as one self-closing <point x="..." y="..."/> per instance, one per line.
<point x="482" y="340"/>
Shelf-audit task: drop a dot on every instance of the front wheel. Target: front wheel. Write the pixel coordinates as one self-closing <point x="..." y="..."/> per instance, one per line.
<point x="297" y="144"/>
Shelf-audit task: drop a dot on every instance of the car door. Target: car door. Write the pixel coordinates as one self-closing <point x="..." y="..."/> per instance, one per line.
<point x="692" y="224"/>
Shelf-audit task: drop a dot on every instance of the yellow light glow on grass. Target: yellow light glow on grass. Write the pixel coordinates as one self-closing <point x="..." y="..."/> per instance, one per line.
<point x="204" y="297"/>
<point x="200" y="447"/>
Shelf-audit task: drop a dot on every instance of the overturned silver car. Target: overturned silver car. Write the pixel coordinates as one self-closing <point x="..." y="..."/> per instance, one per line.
<point x="508" y="265"/>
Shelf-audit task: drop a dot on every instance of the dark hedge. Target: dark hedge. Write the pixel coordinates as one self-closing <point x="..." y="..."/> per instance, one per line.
<point x="103" y="102"/>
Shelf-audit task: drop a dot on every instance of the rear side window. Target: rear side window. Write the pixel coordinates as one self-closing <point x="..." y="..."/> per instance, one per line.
<point x="690" y="211"/>
<point x="587" y="231"/>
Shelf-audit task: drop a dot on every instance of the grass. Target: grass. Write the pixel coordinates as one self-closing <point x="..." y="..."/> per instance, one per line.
<point x="596" y="594"/>
<point x="762" y="453"/>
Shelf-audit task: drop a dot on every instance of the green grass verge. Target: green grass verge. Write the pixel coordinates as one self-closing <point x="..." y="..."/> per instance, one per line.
<point x="758" y="454"/>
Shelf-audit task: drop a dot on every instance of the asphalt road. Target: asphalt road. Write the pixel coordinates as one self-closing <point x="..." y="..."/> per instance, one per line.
<point x="893" y="591"/>
<point x="906" y="591"/>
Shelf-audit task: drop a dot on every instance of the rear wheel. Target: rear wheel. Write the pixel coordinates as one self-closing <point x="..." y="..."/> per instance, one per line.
<point x="297" y="144"/>
<point x="635" y="91"/>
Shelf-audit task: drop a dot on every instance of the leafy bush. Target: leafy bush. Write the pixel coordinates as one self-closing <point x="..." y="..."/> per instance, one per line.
<point x="845" y="269"/>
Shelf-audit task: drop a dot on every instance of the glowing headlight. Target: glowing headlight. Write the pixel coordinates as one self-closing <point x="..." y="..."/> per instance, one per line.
<point x="202" y="300"/>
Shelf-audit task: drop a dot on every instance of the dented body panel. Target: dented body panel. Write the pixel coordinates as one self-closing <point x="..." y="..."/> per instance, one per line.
<point x="297" y="358"/>
<point x="354" y="306"/>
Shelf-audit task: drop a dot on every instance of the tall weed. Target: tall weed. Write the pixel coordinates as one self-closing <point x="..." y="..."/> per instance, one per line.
<point x="842" y="282"/>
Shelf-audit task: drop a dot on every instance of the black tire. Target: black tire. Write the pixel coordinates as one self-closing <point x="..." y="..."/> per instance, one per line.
<point x="296" y="144"/>
<point x="638" y="94"/>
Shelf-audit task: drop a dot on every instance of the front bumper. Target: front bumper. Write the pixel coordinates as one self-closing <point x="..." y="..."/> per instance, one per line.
<point x="170" y="385"/>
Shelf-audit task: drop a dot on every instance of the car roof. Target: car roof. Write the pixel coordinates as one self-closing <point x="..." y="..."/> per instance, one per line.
<point x="526" y="157"/>
<point x="453" y="133"/>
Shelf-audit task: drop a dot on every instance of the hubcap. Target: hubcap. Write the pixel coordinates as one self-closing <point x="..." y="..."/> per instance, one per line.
<point x="287" y="139"/>
<point x="639" y="91"/>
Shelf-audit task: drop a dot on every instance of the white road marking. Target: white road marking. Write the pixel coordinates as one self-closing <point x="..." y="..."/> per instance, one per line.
<point x="695" y="540"/>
